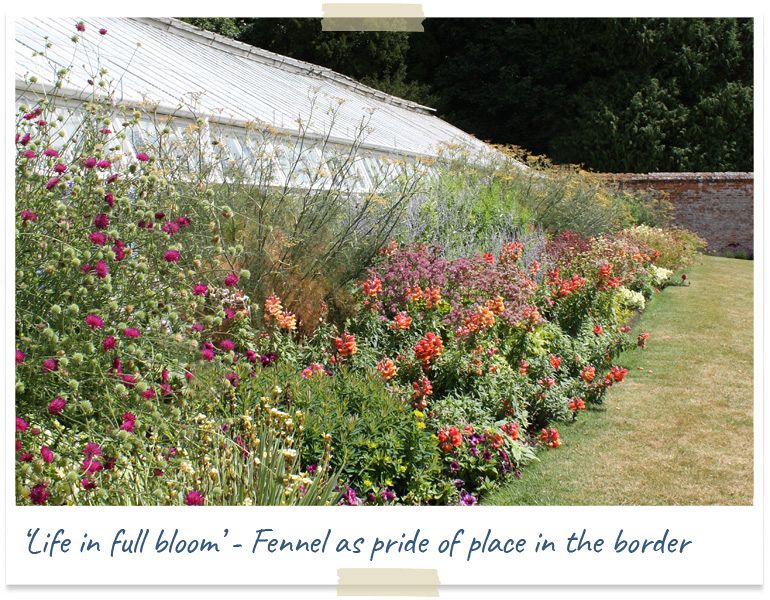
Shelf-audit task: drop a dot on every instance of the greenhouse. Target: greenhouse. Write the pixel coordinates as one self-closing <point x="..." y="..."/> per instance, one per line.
<point x="254" y="105"/>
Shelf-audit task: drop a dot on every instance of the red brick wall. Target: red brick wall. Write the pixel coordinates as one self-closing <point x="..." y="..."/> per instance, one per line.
<point x="717" y="206"/>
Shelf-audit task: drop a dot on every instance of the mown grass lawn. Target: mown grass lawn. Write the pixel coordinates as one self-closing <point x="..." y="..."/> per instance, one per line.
<point x="679" y="430"/>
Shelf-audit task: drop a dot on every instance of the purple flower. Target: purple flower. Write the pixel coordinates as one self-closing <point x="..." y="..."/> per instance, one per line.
<point x="52" y="183"/>
<point x="90" y="162"/>
<point x="50" y="365"/>
<point x="388" y="495"/>
<point x="56" y="406"/>
<point x="194" y="498"/>
<point x="467" y="499"/>
<point x="20" y="356"/>
<point x="39" y="494"/>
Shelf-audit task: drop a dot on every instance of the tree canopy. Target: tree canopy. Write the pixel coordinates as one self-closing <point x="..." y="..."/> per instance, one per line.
<point x="612" y="94"/>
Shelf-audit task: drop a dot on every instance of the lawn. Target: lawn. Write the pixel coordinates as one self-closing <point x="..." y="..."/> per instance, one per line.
<point x="679" y="431"/>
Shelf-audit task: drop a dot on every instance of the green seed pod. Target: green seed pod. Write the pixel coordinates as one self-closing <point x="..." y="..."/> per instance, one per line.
<point x="56" y="309"/>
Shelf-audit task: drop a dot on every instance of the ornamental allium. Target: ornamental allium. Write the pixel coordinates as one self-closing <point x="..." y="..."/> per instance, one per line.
<point x="102" y="221"/>
<point x="194" y="498"/>
<point x="47" y="454"/>
<point x="201" y="290"/>
<point x="231" y="279"/>
<point x="172" y="256"/>
<point x="39" y="494"/>
<point x="90" y="162"/>
<point x="20" y="356"/>
<point x="56" y="406"/>
<point x="131" y="332"/>
<point x="142" y="157"/>
<point x="50" y="365"/>
<point x="94" y="321"/>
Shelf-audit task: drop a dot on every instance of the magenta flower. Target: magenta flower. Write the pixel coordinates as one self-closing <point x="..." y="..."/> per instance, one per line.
<point x="160" y="215"/>
<point x="105" y="130"/>
<point x="39" y="494"/>
<point x="56" y="406"/>
<point x="87" y="484"/>
<point x="198" y="327"/>
<point x="50" y="365"/>
<point x="170" y="228"/>
<point x="104" y="164"/>
<point x="109" y="198"/>
<point x="26" y="457"/>
<point x="129" y="422"/>
<point x="92" y="449"/>
<point x="201" y="290"/>
<point x="91" y="466"/>
<point x="21" y="425"/>
<point x="29" y="154"/>
<point x="114" y="177"/>
<point x="20" y="356"/>
<point x="50" y="152"/>
<point x="207" y="354"/>
<point x="141" y="156"/>
<point x="60" y="168"/>
<point x="25" y="140"/>
<point x="98" y="238"/>
<point x="28" y="215"/>
<point x="90" y="162"/>
<point x="52" y="183"/>
<point x="131" y="332"/>
<point x="80" y="26"/>
<point x="172" y="256"/>
<point x="109" y="343"/>
<point x="194" y="498"/>
<point x="94" y="321"/>
<point x="102" y="221"/>
<point x="46" y="453"/>
<point x="233" y="378"/>
<point x="148" y="394"/>
<point x="102" y="31"/>
<point x="101" y="269"/>
<point x="231" y="280"/>
<point x="227" y="345"/>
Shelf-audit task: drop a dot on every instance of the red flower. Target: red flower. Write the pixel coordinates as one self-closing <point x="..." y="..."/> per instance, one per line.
<point x="598" y="330"/>
<point x="346" y="345"/>
<point x="555" y="361"/>
<point x="588" y="373"/>
<point x="231" y="280"/>
<point x="39" y="494"/>
<point x="430" y="347"/>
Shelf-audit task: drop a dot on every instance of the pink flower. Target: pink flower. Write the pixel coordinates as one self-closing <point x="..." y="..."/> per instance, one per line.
<point x="60" y="168"/>
<point x="104" y="164"/>
<point x="201" y="290"/>
<point x="28" y="215"/>
<point x="227" y="345"/>
<point x="90" y="162"/>
<point x="119" y="250"/>
<point x="109" y="198"/>
<point x="98" y="238"/>
<point x="50" y="365"/>
<point x="94" y="321"/>
<point x="20" y="356"/>
<point x="29" y="154"/>
<point x="39" y="494"/>
<point x="231" y="280"/>
<point x="56" y="406"/>
<point x="148" y="394"/>
<point x="91" y="466"/>
<point x="21" y="425"/>
<point x="129" y="422"/>
<point x="109" y="343"/>
<point x="46" y="453"/>
<point x="170" y="228"/>
<point x="101" y="269"/>
<point x="50" y="152"/>
<point x="207" y="354"/>
<point x="87" y="484"/>
<point x="92" y="449"/>
<point x="102" y="31"/>
<point x="141" y="156"/>
<point x="102" y="221"/>
<point x="52" y="183"/>
<point x="172" y="256"/>
<point x="182" y="221"/>
<point x="233" y="378"/>
<point x="131" y="332"/>
<point x="25" y="140"/>
<point x="26" y="457"/>
<point x="114" y="177"/>
<point x="194" y="498"/>
<point x="80" y="26"/>
<point x="197" y="327"/>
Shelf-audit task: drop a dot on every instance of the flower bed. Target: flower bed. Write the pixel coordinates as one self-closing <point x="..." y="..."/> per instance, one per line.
<point x="146" y="374"/>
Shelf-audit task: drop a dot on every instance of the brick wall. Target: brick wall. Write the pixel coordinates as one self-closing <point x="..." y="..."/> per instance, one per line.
<point x="717" y="206"/>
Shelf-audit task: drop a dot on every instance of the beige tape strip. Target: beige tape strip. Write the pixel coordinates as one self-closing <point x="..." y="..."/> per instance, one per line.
<point x="372" y="17"/>
<point x="387" y="582"/>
